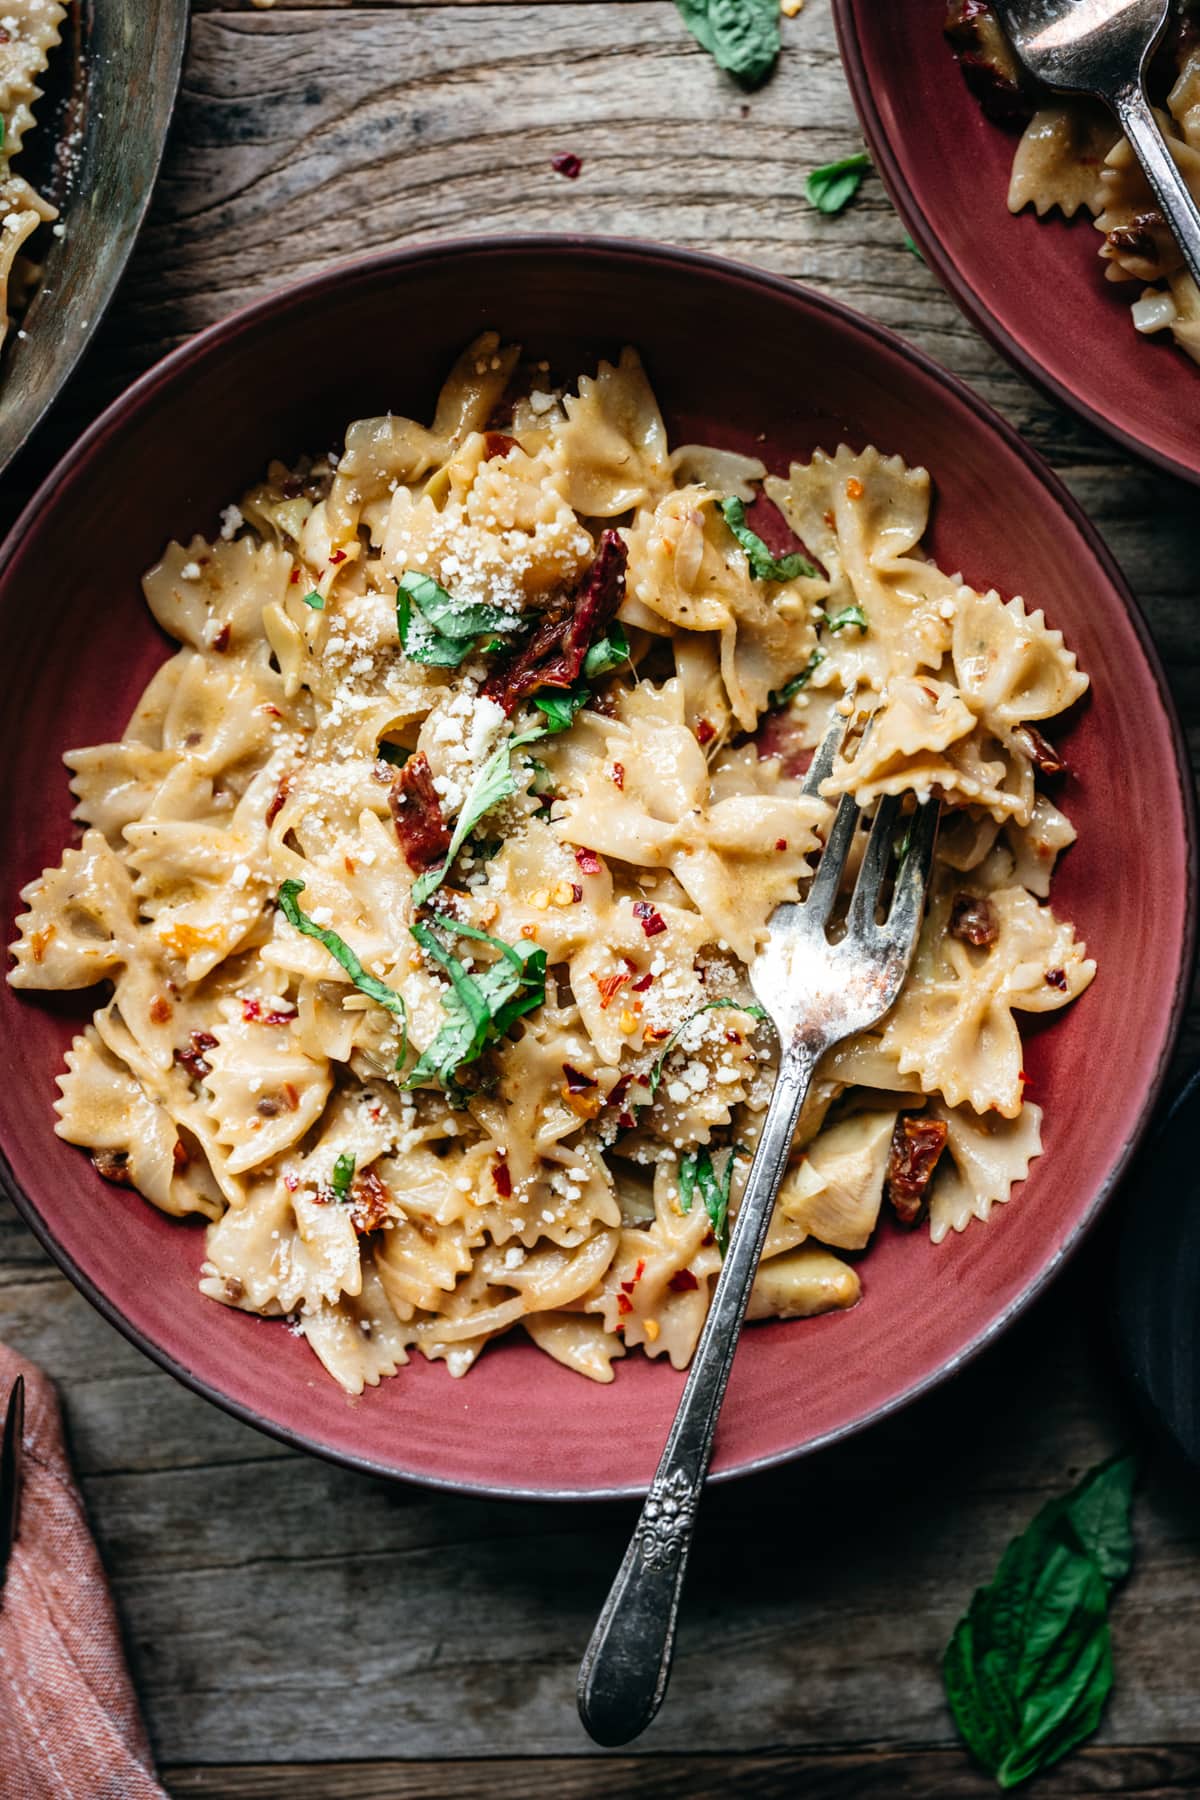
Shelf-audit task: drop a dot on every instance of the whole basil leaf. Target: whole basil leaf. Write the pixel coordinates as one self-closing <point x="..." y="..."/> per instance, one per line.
<point x="834" y="185"/>
<point x="764" y="566"/>
<point x="1029" y="1667"/>
<point x="560" y="709"/>
<point x="742" y="36"/>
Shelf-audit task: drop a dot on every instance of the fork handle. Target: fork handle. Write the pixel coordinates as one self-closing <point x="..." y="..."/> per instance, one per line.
<point x="1161" y="171"/>
<point x="624" y="1673"/>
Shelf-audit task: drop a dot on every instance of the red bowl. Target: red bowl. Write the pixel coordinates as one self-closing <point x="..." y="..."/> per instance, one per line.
<point x="1034" y="287"/>
<point x="738" y="358"/>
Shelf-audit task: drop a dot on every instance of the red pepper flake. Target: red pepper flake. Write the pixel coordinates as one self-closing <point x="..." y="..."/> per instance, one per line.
<point x="610" y="986"/>
<point x="624" y="1305"/>
<point x="369" y="1202"/>
<point x="567" y="163"/>
<point x="854" y="488"/>
<point x="251" y="1011"/>
<point x="683" y="1282"/>
<point x="1024" y="1079"/>
<point x="643" y="982"/>
<point x="498" y="443"/>
<point x="1045" y="758"/>
<point x="917" y="1143"/>
<point x="502" y="1180"/>
<point x="179" y="1156"/>
<point x="221" y="642"/>
<point x="627" y="1287"/>
<point x="268" y="706"/>
<point x="652" y="922"/>
<point x="1057" y="978"/>
<point x="337" y="556"/>
<point x="291" y="1183"/>
<point x="160" y="1009"/>
<point x="281" y="794"/>
<point x="781" y="843"/>
<point x="577" y="1082"/>
<point x="284" y="1016"/>
<point x="588" y="862"/>
<point x="417" y="814"/>
<point x="295" y="574"/>
<point x="576" y="893"/>
<point x="192" y="1057"/>
<point x="291" y="1096"/>
<point x="705" y="731"/>
<point x="617" y="775"/>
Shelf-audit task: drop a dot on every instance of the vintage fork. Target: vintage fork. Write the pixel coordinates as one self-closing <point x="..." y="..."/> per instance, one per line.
<point x="10" y="1473"/>
<point x="816" y="993"/>
<point x="1101" y="47"/>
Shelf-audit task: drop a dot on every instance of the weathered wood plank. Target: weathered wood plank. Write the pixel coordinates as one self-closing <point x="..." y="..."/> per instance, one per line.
<point x="279" y="1609"/>
<point x="1148" y="1774"/>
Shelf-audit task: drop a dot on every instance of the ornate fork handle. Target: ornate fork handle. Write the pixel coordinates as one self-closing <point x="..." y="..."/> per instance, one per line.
<point x="624" y="1674"/>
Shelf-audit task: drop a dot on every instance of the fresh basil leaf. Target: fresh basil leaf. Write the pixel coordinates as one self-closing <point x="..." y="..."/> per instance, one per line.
<point x="742" y="36"/>
<point x="849" y="615"/>
<point x="608" y="653"/>
<point x="696" y="1170"/>
<point x="450" y="616"/>
<point x="1029" y="1667"/>
<point x="339" y="949"/>
<point x="763" y="565"/>
<point x="834" y="185"/>
<point x="480" y="1007"/>
<point x="494" y="782"/>
<point x="780" y="696"/>
<point x="422" y="643"/>
<point x="656" y="1073"/>
<point x="560" y="709"/>
<point x="343" y="1175"/>
<point x="313" y="599"/>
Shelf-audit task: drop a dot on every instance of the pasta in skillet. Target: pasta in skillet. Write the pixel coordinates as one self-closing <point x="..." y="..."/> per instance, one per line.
<point x="1072" y="156"/>
<point x="427" y="870"/>
<point x="29" y="30"/>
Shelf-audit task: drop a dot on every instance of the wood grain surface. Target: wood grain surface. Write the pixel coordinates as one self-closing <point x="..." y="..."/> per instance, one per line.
<point x="297" y="1630"/>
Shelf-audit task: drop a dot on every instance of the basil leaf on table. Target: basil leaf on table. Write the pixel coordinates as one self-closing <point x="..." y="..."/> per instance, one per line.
<point x="741" y="36"/>
<point x="834" y="184"/>
<point x="1029" y="1667"/>
<point x="763" y="565"/>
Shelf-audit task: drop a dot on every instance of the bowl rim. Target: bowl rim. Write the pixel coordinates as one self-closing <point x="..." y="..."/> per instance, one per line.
<point x="180" y="17"/>
<point x="985" y="321"/>
<point x="336" y="275"/>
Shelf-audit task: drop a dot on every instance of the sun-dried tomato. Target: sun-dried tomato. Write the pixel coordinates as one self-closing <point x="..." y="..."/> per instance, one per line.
<point x="497" y="443"/>
<point x="554" y="655"/>
<point x="221" y="642"/>
<point x="917" y="1143"/>
<point x="417" y="814"/>
<point x="588" y="861"/>
<point x="113" y="1165"/>
<point x="502" y="1180"/>
<point x="705" y="731"/>
<point x="988" y="65"/>
<point x="974" y="919"/>
<point x="683" y="1282"/>
<point x="1057" y="978"/>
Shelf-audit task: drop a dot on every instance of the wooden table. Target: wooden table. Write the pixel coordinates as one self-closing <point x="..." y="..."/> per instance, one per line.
<point x="296" y="1630"/>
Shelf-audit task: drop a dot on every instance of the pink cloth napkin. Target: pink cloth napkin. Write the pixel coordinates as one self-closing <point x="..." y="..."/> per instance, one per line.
<point x="70" y="1728"/>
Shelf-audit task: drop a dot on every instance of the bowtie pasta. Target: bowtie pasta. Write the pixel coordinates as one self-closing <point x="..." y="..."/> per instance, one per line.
<point x="29" y="30"/>
<point x="1071" y="155"/>
<point x="427" y="871"/>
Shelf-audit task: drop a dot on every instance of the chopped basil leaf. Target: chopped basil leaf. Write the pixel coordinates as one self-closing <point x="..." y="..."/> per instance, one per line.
<point x="396" y="754"/>
<point x="495" y="782"/>
<point x="343" y="1175"/>
<point x="742" y="36"/>
<point x="1029" y="1667"/>
<point x="1" y="134"/>
<point x="438" y="629"/>
<point x="696" y="1171"/>
<point x="480" y="1006"/>
<point x="834" y="185"/>
<point x="763" y="566"/>
<point x="780" y="696"/>
<point x="560" y="709"/>
<point x="608" y="653"/>
<point x="313" y="599"/>
<point x="656" y="1073"/>
<point x="849" y="615"/>
<point x="339" y="949"/>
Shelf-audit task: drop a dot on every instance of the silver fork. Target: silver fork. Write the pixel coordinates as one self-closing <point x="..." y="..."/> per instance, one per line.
<point x="1101" y="47"/>
<point x="11" y="1438"/>
<point x="816" y="993"/>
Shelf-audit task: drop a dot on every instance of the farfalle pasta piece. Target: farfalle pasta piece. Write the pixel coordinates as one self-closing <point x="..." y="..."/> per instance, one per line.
<point x="358" y="1338"/>
<point x="1056" y="160"/>
<point x="81" y="923"/>
<point x="986" y="1154"/>
<point x="612" y="443"/>
<point x="1009" y="666"/>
